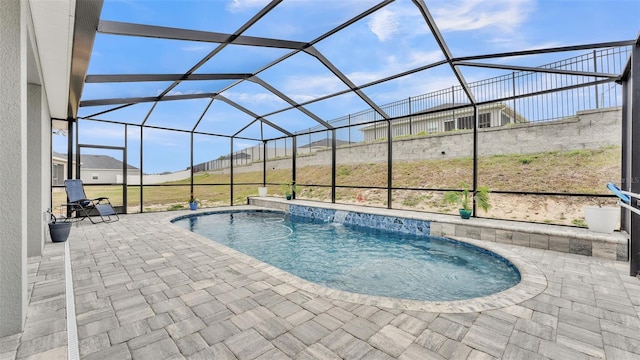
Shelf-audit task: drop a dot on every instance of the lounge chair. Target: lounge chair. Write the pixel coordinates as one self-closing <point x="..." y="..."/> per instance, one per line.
<point x="86" y="208"/>
<point x="625" y="197"/>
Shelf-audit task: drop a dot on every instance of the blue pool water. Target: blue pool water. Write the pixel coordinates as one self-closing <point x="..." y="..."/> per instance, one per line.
<point x="359" y="259"/>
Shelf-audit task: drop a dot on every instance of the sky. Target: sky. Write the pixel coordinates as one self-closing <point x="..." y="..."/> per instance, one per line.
<point x="392" y="40"/>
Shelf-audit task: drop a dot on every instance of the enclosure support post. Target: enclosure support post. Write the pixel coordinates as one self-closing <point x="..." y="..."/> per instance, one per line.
<point x="231" y="172"/>
<point x="389" y="164"/>
<point x="77" y="149"/>
<point x="125" y="171"/>
<point x="293" y="164"/>
<point x="264" y="162"/>
<point x="475" y="156"/>
<point x="191" y="167"/>
<point x="595" y="69"/>
<point x="625" y="176"/>
<point x="513" y="84"/>
<point x="348" y="128"/>
<point x="410" y="117"/>
<point x="634" y="112"/>
<point x="333" y="166"/>
<point x="141" y="170"/>
<point x="69" y="148"/>
<point x="70" y="161"/>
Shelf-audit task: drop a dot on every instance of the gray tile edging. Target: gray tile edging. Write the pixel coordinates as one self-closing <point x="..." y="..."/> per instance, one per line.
<point x="617" y="239"/>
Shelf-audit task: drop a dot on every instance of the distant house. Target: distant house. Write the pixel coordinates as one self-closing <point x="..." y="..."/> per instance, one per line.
<point x="322" y="144"/>
<point x="237" y="156"/>
<point x="490" y="115"/>
<point x="94" y="169"/>
<point x="58" y="168"/>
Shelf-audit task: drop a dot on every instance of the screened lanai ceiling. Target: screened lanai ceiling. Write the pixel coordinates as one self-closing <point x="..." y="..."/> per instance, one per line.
<point x="263" y="70"/>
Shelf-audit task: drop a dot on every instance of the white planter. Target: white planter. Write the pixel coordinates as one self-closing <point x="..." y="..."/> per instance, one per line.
<point x="602" y="219"/>
<point x="262" y="191"/>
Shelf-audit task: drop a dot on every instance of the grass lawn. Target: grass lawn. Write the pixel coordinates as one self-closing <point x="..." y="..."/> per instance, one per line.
<point x="577" y="171"/>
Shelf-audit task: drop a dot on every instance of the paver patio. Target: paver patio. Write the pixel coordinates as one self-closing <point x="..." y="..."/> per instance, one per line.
<point x="146" y="289"/>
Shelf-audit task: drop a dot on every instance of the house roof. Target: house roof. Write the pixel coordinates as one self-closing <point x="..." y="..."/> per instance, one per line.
<point x="324" y="143"/>
<point x="102" y="162"/>
<point x="240" y="155"/>
<point x="442" y="111"/>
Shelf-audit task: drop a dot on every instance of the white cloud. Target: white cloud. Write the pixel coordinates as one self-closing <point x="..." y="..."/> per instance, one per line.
<point x="464" y="15"/>
<point x="301" y="90"/>
<point x="253" y="98"/>
<point x="174" y="92"/>
<point x="384" y="24"/>
<point x="242" y="5"/>
<point x="395" y="65"/>
<point x="420" y="58"/>
<point x="197" y="48"/>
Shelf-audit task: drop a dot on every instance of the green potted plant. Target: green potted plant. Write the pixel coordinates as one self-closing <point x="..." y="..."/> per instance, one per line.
<point x="463" y="199"/>
<point x="193" y="202"/>
<point x="289" y="189"/>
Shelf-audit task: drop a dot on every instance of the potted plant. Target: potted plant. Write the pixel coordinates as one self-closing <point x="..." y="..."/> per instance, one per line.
<point x="289" y="189"/>
<point x="600" y="218"/>
<point x="59" y="230"/>
<point x="193" y="202"/>
<point x="463" y="199"/>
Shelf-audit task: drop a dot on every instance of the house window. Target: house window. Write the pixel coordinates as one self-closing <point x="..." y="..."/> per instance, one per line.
<point x="465" y="122"/>
<point x="432" y="126"/>
<point x="504" y="119"/>
<point x="484" y="120"/>
<point x="448" y="125"/>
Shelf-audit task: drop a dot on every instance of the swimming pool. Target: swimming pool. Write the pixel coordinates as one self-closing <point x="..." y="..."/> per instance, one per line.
<point x="360" y="259"/>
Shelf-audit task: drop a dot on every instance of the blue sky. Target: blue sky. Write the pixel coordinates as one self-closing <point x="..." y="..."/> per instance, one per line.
<point x="392" y="40"/>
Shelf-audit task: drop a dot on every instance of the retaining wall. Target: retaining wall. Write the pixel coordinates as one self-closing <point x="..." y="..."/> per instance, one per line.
<point x="591" y="129"/>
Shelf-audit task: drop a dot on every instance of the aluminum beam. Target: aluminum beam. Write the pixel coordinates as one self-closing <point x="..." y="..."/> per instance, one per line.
<point x="202" y="116"/>
<point x="161" y="77"/>
<point x="263" y="11"/>
<point x="443" y="46"/>
<point x="252" y="114"/>
<point x="548" y="50"/>
<point x="290" y="101"/>
<point x="315" y="53"/>
<point x="86" y="20"/>
<point x="138" y="100"/>
<point x="110" y="110"/>
<point x="246" y="127"/>
<point x="162" y="32"/>
<point x="634" y="106"/>
<point x="537" y="69"/>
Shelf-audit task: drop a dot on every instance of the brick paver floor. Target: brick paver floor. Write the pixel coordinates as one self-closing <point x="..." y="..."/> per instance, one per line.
<point x="146" y="289"/>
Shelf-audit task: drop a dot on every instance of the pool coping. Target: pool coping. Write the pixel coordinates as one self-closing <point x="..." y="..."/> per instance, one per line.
<point x="559" y="238"/>
<point x="532" y="283"/>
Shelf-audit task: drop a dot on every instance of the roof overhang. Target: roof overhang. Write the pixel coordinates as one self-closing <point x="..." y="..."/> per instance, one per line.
<point x="57" y="25"/>
<point x="52" y="44"/>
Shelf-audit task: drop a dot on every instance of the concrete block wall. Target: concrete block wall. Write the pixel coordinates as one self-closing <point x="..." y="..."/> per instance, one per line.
<point x="591" y="129"/>
<point x="541" y="236"/>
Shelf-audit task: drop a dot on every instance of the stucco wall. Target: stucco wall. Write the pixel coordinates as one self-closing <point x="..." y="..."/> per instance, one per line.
<point x="587" y="130"/>
<point x="13" y="182"/>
